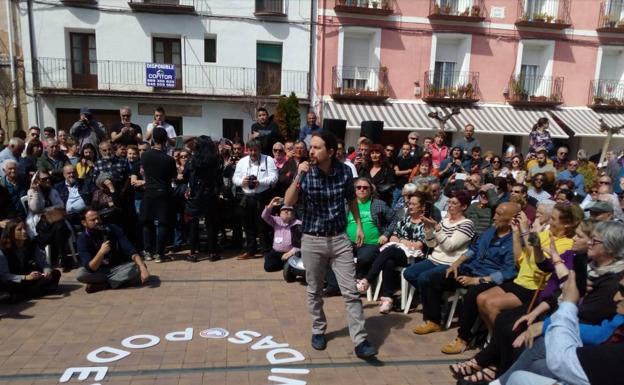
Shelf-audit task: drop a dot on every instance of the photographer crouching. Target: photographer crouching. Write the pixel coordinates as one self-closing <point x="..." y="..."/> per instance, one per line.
<point x="108" y="259"/>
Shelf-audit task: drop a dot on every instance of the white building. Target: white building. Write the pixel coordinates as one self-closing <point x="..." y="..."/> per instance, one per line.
<point x="226" y="53"/>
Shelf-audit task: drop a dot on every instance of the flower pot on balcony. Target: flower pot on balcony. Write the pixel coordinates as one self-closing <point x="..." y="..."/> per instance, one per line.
<point x="375" y="4"/>
<point x="447" y="9"/>
<point x="559" y="21"/>
<point x="549" y="18"/>
<point x="466" y="12"/>
<point x="386" y="5"/>
<point x="475" y="11"/>
<point x="598" y="100"/>
<point x="620" y="24"/>
<point x="436" y="9"/>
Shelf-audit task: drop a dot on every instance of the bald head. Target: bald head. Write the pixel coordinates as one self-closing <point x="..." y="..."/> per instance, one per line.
<point x="503" y="215"/>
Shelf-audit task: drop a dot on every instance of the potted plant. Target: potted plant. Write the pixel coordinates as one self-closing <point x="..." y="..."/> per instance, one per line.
<point x="436" y="9"/>
<point x="432" y="90"/>
<point x="539" y="17"/>
<point x="549" y="18"/>
<point x="559" y="21"/>
<point x="386" y="5"/>
<point x="447" y="9"/>
<point x="466" y="12"/>
<point x="598" y="100"/>
<point x="620" y="23"/>
<point x="442" y="92"/>
<point x="475" y="11"/>
<point x="375" y="4"/>
<point x="469" y="91"/>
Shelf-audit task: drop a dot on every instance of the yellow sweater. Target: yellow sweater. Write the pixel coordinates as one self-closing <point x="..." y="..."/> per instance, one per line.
<point x="529" y="275"/>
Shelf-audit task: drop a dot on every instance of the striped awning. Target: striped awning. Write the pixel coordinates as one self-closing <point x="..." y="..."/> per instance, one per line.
<point x="585" y="122"/>
<point x="396" y="115"/>
<point x="505" y="120"/>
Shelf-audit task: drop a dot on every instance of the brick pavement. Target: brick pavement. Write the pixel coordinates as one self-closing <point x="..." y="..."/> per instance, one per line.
<point x="39" y="339"/>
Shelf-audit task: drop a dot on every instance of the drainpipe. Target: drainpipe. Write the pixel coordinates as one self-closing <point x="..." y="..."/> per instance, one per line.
<point x="312" y="77"/>
<point x="16" y="113"/>
<point x="322" y="85"/>
<point x="33" y="61"/>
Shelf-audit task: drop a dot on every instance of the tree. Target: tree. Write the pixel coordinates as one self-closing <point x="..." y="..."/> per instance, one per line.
<point x="287" y="116"/>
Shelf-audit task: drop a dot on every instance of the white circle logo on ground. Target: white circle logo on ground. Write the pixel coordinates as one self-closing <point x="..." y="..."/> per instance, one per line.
<point x="214" y="333"/>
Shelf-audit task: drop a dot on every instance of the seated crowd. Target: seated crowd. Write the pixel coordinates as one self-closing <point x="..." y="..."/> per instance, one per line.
<point x="533" y="245"/>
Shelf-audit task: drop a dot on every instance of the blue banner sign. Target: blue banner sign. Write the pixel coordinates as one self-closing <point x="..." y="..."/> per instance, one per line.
<point x="160" y="75"/>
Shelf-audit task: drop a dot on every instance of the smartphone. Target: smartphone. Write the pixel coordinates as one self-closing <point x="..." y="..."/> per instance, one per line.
<point x="428" y="209"/>
<point x="461" y="176"/>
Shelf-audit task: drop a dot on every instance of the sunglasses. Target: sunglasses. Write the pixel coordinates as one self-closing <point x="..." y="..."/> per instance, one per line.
<point x="126" y="116"/>
<point x="539" y="180"/>
<point x="413" y="138"/>
<point x="604" y="182"/>
<point x="496" y="161"/>
<point x="278" y="150"/>
<point x="362" y="187"/>
<point x="183" y="156"/>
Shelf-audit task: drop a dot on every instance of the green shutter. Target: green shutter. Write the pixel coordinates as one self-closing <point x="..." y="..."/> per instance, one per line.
<point x="271" y="53"/>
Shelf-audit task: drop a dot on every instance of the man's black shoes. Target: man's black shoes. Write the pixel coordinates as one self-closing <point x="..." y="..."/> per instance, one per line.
<point x="365" y="350"/>
<point x="319" y="341"/>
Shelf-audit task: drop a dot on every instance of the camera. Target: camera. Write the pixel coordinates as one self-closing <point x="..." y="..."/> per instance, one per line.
<point x="253" y="181"/>
<point x="534" y="240"/>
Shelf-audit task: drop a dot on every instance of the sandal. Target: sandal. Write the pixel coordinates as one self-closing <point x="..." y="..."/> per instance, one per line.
<point x="463" y="369"/>
<point x="482" y="376"/>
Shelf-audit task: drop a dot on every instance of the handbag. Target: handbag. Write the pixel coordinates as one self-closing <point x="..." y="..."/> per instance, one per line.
<point x="53" y="215"/>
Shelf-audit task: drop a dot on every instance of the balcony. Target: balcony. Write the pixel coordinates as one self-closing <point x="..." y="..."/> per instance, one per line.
<point x="457" y="10"/>
<point x="451" y="87"/>
<point x="606" y="94"/>
<point x="360" y="83"/>
<point x="270" y="8"/>
<point x="611" y="18"/>
<point x="550" y="14"/>
<point x="79" y="2"/>
<point x="372" y="7"/>
<point x="164" y="6"/>
<point x="128" y="77"/>
<point x="535" y="91"/>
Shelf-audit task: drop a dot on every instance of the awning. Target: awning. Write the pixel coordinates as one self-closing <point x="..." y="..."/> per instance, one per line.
<point x="505" y="120"/>
<point x="396" y="116"/>
<point x="612" y="118"/>
<point x="584" y="122"/>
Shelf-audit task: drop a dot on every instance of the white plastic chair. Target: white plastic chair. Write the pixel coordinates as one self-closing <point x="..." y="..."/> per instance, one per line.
<point x="454" y="299"/>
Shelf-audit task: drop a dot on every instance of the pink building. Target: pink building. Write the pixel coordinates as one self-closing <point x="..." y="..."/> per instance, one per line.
<point x="505" y="63"/>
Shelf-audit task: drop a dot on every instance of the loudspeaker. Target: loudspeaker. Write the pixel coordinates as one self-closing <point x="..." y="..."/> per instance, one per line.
<point x="338" y="127"/>
<point x="372" y="129"/>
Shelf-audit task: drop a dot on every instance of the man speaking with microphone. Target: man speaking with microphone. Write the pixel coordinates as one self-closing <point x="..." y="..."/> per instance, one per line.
<point x="325" y="185"/>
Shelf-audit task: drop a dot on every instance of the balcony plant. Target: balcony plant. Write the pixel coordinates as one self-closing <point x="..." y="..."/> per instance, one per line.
<point x="516" y="88"/>
<point x="469" y="91"/>
<point x="447" y="9"/>
<point x="549" y="18"/>
<point x="620" y="23"/>
<point x="375" y="4"/>
<point x="598" y="100"/>
<point x="475" y="11"/>
<point x="559" y="21"/>
<point x="466" y="12"/>
<point x="386" y="5"/>
<point x="432" y="90"/>
<point x="436" y="9"/>
<point x="539" y="17"/>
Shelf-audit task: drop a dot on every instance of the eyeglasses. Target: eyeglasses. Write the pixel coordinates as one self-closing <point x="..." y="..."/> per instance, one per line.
<point x="516" y="191"/>
<point x="183" y="156"/>
<point x="573" y="164"/>
<point x="412" y="138"/>
<point x="389" y="149"/>
<point x="604" y="182"/>
<point x="539" y="180"/>
<point x="362" y="187"/>
<point x="595" y="242"/>
<point x="278" y="150"/>
<point x="126" y="116"/>
<point x="496" y="161"/>
<point x="563" y="153"/>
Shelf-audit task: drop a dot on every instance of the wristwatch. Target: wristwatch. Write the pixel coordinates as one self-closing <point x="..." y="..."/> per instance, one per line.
<point x="482" y="280"/>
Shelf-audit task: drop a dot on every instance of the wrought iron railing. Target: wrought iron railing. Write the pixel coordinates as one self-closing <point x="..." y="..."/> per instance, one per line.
<point x="460" y="8"/>
<point x="611" y="15"/>
<point x="544" y="12"/>
<point x="366" y="6"/>
<point x="360" y="82"/>
<point x="273" y="7"/>
<point x="607" y="93"/>
<point x="536" y="89"/>
<point x="452" y="85"/>
<point x="115" y="75"/>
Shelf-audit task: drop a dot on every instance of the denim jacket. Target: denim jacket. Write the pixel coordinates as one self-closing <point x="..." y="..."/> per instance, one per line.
<point x="490" y="256"/>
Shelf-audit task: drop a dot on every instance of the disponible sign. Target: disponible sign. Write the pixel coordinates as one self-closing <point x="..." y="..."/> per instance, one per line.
<point x="160" y="75"/>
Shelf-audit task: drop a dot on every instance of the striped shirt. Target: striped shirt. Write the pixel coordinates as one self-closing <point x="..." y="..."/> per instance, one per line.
<point x="324" y="197"/>
<point x="451" y="241"/>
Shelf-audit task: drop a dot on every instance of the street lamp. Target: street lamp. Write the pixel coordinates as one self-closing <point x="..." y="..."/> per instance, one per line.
<point x="442" y="119"/>
<point x="604" y="127"/>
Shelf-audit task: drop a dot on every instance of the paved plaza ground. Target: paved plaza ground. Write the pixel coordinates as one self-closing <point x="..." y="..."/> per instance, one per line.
<point x="40" y="339"/>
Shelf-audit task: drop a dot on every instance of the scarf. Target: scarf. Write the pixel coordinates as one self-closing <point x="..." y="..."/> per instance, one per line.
<point x="594" y="271"/>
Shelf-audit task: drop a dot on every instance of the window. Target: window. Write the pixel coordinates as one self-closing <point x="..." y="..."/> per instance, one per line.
<point x="268" y="69"/>
<point x="83" y="60"/>
<point x="210" y="50"/>
<point x="169" y="51"/>
<point x="529" y="78"/>
<point x="444" y="74"/>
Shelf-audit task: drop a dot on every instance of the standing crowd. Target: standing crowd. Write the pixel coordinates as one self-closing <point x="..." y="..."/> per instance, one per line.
<point x="529" y="246"/>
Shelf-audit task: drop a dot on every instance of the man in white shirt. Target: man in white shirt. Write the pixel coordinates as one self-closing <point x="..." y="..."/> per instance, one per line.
<point x="159" y="121"/>
<point x="255" y="174"/>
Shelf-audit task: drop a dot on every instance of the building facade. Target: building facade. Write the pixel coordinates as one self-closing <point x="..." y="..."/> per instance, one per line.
<point x="504" y="63"/>
<point x="227" y="57"/>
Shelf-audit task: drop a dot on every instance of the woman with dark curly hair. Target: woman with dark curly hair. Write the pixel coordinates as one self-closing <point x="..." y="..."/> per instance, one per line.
<point x="204" y="173"/>
<point x="24" y="271"/>
<point x="380" y="173"/>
